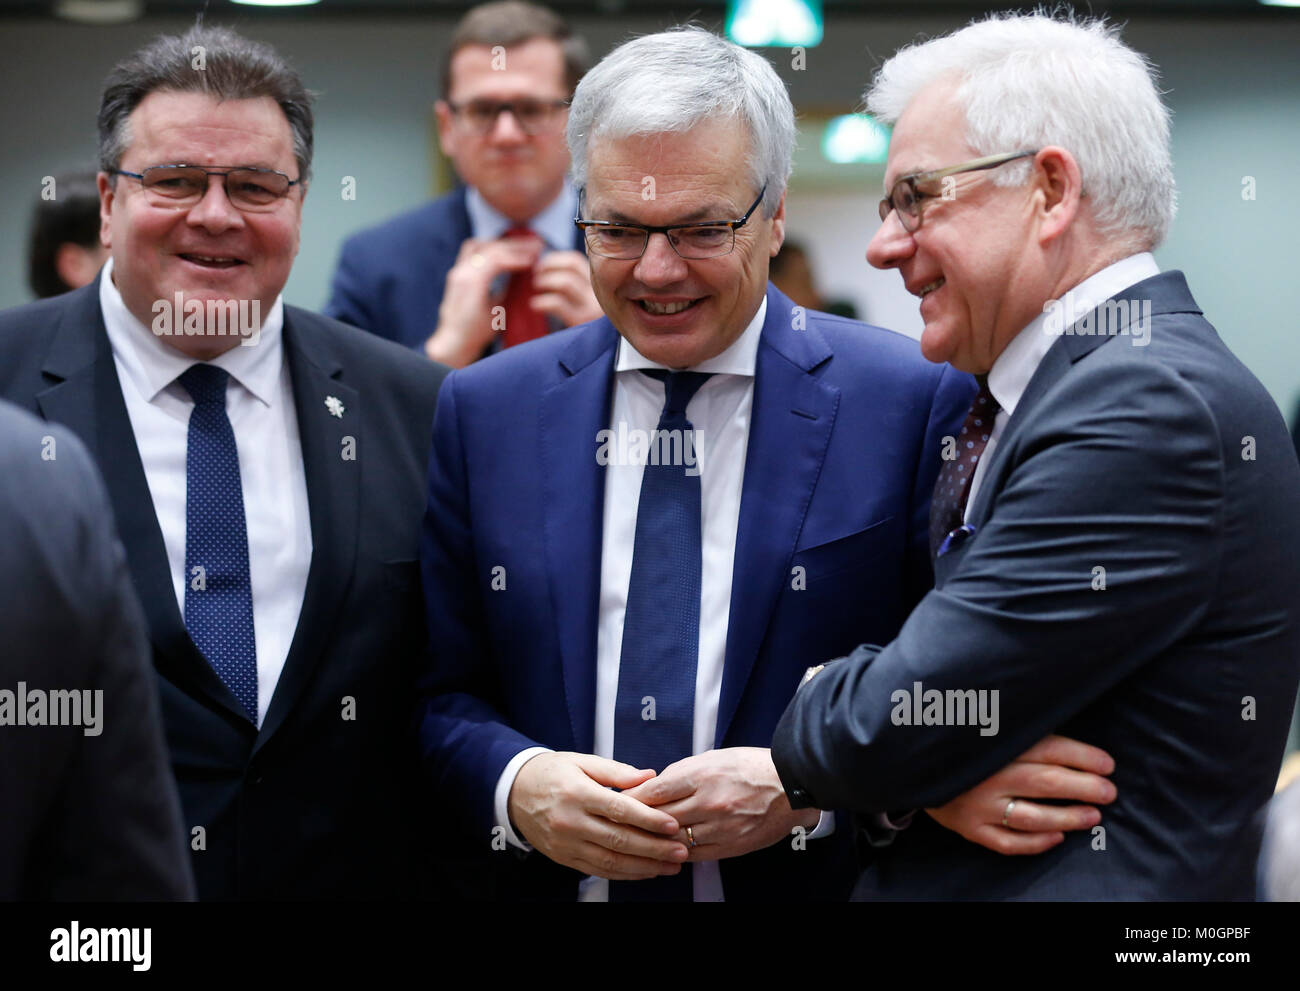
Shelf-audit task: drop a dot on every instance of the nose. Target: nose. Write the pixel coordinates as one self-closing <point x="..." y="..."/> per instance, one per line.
<point x="214" y="212"/>
<point x="891" y="244"/>
<point x="659" y="264"/>
<point x="506" y="129"/>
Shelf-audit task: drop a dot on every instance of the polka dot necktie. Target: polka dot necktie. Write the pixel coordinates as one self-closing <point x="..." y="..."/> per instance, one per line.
<point x="952" y="490"/>
<point x="654" y="715"/>
<point x="218" y="593"/>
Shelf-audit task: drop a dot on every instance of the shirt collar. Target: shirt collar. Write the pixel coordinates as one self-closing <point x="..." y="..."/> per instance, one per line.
<point x="1015" y="366"/>
<point x="153" y="365"/>
<point x="740" y="358"/>
<point x="554" y="224"/>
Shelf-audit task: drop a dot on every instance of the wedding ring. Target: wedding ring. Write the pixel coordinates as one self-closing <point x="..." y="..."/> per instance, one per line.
<point x="690" y="835"/>
<point x="1007" y="814"/>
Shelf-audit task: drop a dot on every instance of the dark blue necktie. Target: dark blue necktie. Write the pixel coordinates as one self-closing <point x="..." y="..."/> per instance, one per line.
<point x="654" y="718"/>
<point x="218" y="593"/>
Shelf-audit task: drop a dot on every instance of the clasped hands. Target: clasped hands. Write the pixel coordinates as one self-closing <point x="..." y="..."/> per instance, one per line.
<point x="732" y="800"/>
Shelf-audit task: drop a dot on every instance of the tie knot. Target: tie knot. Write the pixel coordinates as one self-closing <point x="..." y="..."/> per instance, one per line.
<point x="206" y="384"/>
<point x="984" y="401"/>
<point x="519" y="232"/>
<point x="679" y="387"/>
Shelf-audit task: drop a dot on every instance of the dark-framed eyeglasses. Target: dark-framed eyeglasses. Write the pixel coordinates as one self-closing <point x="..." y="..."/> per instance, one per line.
<point x="248" y="188"/>
<point x="709" y="239"/>
<point x="906" y="196"/>
<point x="533" y="116"/>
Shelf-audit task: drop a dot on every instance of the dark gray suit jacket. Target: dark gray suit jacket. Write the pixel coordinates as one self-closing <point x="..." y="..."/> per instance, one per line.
<point x="311" y="804"/>
<point x="90" y="810"/>
<point x="1169" y="467"/>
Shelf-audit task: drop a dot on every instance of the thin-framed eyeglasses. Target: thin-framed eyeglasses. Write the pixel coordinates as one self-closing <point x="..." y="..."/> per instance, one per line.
<point x="905" y="197"/>
<point x="248" y="188"/>
<point x="708" y="239"/>
<point x="533" y="116"/>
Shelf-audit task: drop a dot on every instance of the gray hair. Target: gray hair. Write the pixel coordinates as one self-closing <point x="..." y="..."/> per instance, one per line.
<point x="1032" y="80"/>
<point x="233" y="68"/>
<point x="669" y="82"/>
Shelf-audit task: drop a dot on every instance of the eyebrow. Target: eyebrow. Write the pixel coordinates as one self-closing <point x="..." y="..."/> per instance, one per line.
<point x="710" y="213"/>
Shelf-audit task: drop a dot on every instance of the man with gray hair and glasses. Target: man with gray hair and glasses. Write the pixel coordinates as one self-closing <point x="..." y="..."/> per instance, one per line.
<point x="1117" y="549"/>
<point x="237" y="435"/>
<point x="640" y="531"/>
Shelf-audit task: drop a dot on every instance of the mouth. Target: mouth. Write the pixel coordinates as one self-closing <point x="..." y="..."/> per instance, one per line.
<point x="927" y="289"/>
<point x="665" y="309"/>
<point x="212" y="261"/>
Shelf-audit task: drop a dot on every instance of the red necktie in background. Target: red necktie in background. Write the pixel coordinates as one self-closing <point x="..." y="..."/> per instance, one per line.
<point x="523" y="323"/>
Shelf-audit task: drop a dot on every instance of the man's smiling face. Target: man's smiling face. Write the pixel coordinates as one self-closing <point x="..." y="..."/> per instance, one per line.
<point x="970" y="259"/>
<point x="677" y="311"/>
<point x="208" y="251"/>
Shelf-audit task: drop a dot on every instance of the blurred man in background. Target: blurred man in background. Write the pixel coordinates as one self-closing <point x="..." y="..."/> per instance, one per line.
<point x="497" y="261"/>
<point x="63" y="250"/>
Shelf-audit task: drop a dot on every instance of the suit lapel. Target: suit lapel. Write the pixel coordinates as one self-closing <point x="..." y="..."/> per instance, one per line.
<point x="571" y="414"/>
<point x="1167" y="293"/>
<point x="790" y="427"/>
<point x="333" y="499"/>
<point x="87" y="397"/>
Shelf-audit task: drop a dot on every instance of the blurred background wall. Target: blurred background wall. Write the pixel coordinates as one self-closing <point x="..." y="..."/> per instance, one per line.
<point x="1232" y="80"/>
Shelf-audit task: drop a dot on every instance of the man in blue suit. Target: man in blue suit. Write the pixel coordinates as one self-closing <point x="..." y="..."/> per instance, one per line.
<point x="640" y="531"/>
<point x="1117" y="549"/>
<point x="497" y="261"/>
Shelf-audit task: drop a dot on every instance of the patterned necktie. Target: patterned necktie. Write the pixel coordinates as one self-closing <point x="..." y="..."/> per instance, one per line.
<point x="654" y="717"/>
<point x="952" y="490"/>
<point x="523" y="323"/>
<point x="218" y="593"/>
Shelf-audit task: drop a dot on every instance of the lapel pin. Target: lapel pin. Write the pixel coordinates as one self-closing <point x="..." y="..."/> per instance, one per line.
<point x="335" y="407"/>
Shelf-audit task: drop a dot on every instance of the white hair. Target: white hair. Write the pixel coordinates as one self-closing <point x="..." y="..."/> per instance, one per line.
<point x="1027" y="81"/>
<point x="669" y="82"/>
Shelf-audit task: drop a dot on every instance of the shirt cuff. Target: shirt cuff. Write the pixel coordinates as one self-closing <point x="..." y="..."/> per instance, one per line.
<point x="501" y="798"/>
<point x="825" y="826"/>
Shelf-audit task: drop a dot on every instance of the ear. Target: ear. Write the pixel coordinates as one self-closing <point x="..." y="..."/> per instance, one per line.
<point x="446" y="134"/>
<point x="107" y="193"/>
<point x="778" y="228"/>
<point x="1058" y="185"/>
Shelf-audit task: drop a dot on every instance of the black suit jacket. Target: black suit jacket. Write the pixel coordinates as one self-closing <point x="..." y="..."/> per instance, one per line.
<point x="312" y="804"/>
<point x="1168" y="467"/>
<point x="90" y="810"/>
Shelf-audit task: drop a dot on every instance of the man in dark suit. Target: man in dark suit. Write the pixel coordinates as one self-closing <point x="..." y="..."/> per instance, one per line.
<point x="268" y="495"/>
<point x="600" y="613"/>
<point x="497" y="261"/>
<point x="1117" y="555"/>
<point x="90" y="807"/>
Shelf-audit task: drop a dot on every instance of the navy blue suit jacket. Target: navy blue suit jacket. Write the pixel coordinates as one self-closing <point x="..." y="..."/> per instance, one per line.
<point x="390" y="278"/>
<point x="309" y="805"/>
<point x="844" y="448"/>
<point x="1167" y="467"/>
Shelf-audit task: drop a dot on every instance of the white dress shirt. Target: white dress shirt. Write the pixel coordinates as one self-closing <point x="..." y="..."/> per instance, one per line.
<point x="720" y="413"/>
<point x="259" y="403"/>
<point x="1015" y="366"/>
